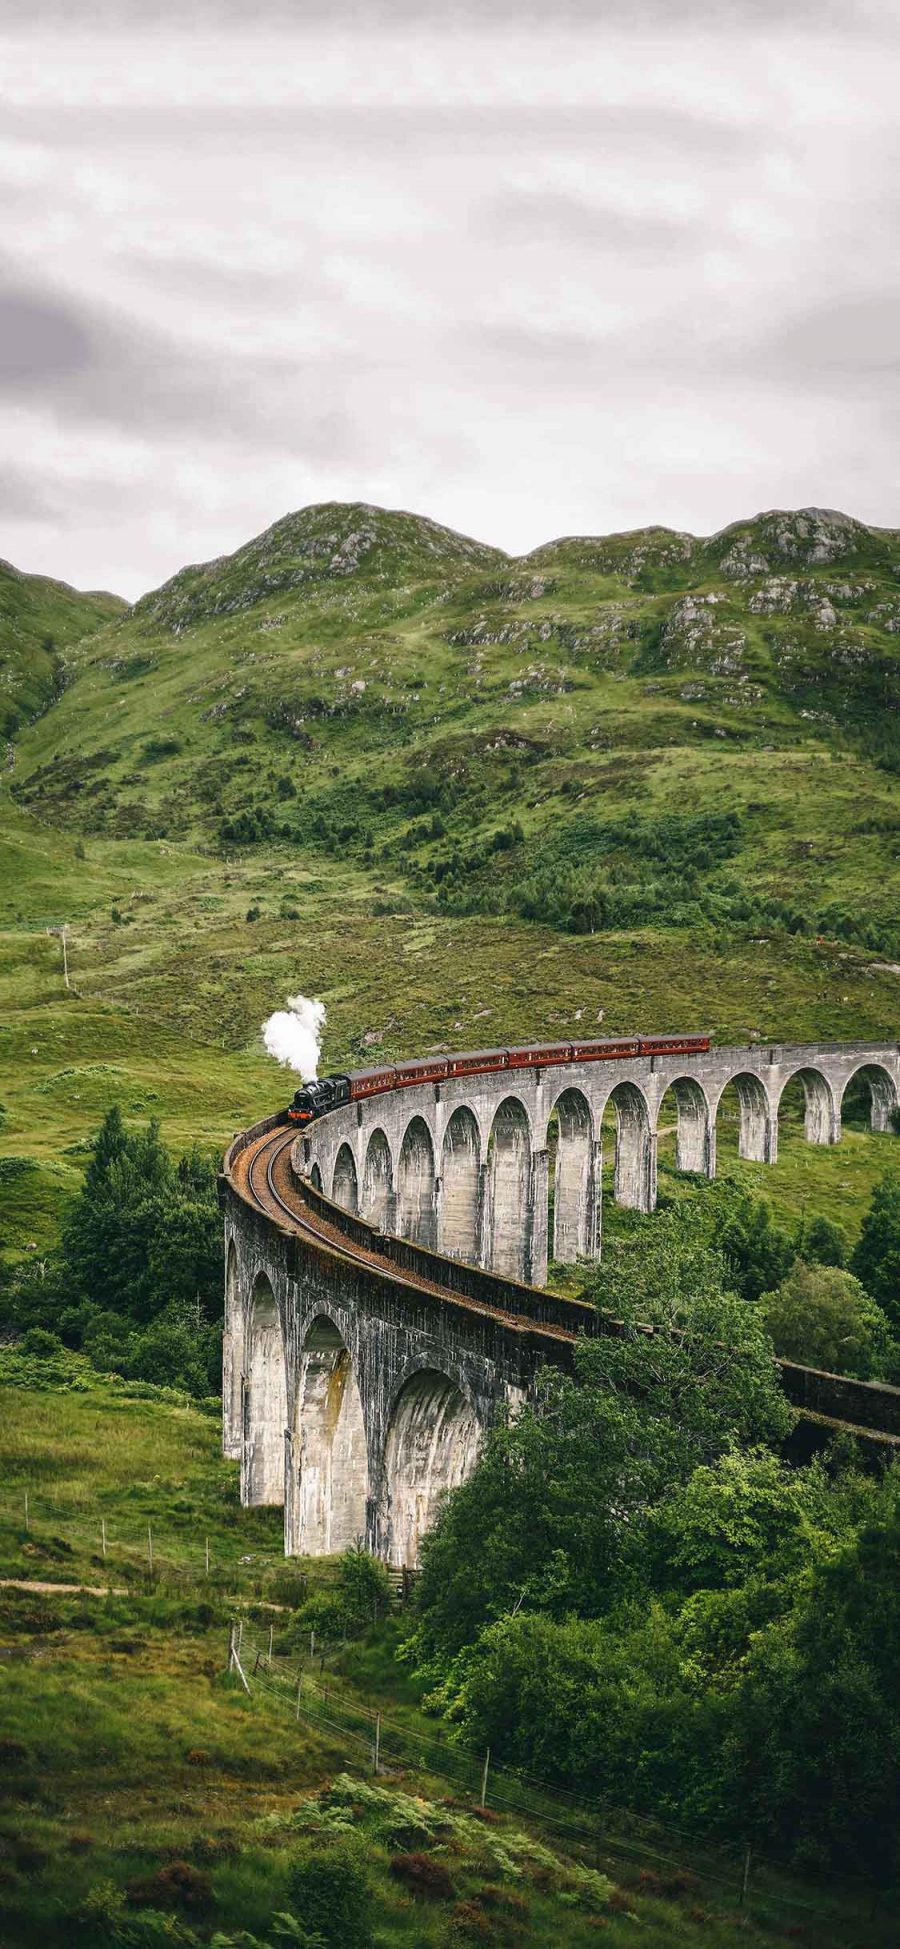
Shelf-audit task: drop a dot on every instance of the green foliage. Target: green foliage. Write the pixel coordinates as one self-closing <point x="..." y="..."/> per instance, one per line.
<point x="822" y="1242"/>
<point x="38" y="1343"/>
<point x="142" y="1234"/>
<point x="876" y="1257"/>
<point x="610" y="1595"/>
<point x="757" y="1252"/>
<point x="823" y="1317"/>
<point x="750" y="1642"/>
<point x="743" y="1516"/>
<point x="137" y="1280"/>
<point x="555" y="1516"/>
<point x="104" y="1917"/>
<point x="329" y="1889"/>
<point x="707" y="1378"/>
<point x="358" y="1599"/>
<point x="819" y="1711"/>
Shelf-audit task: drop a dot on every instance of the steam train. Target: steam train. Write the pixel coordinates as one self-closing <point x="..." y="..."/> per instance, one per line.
<point x="313" y="1099"/>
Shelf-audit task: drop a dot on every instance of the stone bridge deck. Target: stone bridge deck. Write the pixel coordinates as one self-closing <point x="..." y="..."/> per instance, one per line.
<point x="505" y="1169"/>
<point x="361" y="1367"/>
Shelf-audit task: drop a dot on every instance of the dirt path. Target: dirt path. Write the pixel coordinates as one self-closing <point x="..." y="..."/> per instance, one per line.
<point x="61" y="1590"/>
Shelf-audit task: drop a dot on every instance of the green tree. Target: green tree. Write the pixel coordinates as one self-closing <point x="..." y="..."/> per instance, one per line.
<point x="822" y="1242"/>
<point x="706" y="1377"/>
<point x="745" y="1514"/>
<point x="811" y="1750"/>
<point x="142" y="1234"/>
<point x="757" y="1252"/>
<point x="555" y="1515"/>
<point x="823" y="1316"/>
<point x="876" y="1258"/>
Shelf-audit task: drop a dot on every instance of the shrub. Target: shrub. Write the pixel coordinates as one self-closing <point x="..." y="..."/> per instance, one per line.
<point x="468" y="1923"/>
<point x="178" y="1885"/>
<point x="42" y="1344"/>
<point x="423" y="1876"/>
<point x="330" y="1892"/>
<point x="823" y="1316"/>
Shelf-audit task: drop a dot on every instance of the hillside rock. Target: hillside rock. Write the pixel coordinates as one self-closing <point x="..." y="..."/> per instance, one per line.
<point x="813" y="537"/>
<point x="330" y="542"/>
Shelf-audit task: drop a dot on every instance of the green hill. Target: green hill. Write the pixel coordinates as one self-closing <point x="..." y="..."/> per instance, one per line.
<point x="39" y="622"/>
<point x="644" y="778"/>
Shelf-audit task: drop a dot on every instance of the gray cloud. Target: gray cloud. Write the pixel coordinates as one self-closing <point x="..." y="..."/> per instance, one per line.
<point x="40" y="341"/>
<point x="170" y="16"/>
<point x="549" y="217"/>
<point x="855" y="337"/>
<point x="627" y="265"/>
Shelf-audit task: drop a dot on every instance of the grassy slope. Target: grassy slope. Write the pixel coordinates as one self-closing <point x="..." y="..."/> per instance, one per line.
<point x="39" y="622"/>
<point x="125" y="1746"/>
<point x="360" y="656"/>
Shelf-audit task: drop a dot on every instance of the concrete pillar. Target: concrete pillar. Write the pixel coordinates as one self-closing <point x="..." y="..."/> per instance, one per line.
<point x="485" y="1214"/>
<point x="709" y="1164"/>
<point x="326" y="1457"/>
<point x="594" y="1194"/>
<point x="291" y="1498"/>
<point x="649" y="1203"/>
<point x="536" y="1244"/>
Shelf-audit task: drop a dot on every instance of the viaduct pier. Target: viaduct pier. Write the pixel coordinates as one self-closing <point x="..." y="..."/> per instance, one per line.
<point x="384" y="1268"/>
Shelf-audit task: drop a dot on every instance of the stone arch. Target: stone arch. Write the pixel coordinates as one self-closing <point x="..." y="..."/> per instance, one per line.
<point x="264" y="1399"/>
<point x="329" y="1447"/>
<point x="344" y="1187"/>
<point x="757" y="1128"/>
<point x="634" y="1180"/>
<point x="882" y="1093"/>
<point x="315" y="1177"/>
<point x="509" y="1191"/>
<point x="821" y="1123"/>
<point x="377" y="1181"/>
<point x="693" y="1126"/>
<point x="232" y="1355"/>
<point x="572" y="1189"/>
<point x="415" y="1185"/>
<point x="460" y="1228"/>
<point x="432" y="1445"/>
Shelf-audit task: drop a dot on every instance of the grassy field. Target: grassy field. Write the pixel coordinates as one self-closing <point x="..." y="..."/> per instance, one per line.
<point x="355" y="757"/>
<point x="126" y="1748"/>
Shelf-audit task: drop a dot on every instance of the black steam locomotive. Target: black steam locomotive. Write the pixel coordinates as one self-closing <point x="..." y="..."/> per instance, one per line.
<point x="315" y="1098"/>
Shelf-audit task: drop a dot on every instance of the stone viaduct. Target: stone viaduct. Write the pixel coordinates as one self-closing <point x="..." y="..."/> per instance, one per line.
<point x="384" y="1270"/>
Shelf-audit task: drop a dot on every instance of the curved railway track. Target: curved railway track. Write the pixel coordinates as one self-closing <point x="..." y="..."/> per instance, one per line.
<point x="259" y="1171"/>
<point x="263" y="1175"/>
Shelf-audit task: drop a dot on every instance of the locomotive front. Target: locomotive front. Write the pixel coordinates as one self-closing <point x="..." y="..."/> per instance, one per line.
<point x="313" y="1099"/>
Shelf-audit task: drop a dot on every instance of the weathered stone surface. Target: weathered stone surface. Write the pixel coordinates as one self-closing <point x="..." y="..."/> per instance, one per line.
<point x="357" y="1393"/>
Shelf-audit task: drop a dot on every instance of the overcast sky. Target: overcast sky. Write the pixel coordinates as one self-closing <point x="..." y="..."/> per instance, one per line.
<point x="529" y="269"/>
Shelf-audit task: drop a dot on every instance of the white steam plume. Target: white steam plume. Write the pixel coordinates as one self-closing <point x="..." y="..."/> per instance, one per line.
<point x="293" y="1035"/>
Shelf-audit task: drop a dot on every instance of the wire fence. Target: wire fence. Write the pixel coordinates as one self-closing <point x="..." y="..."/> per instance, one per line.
<point x="614" y="1839"/>
<point x="144" y="1550"/>
<point x="304" y="1685"/>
